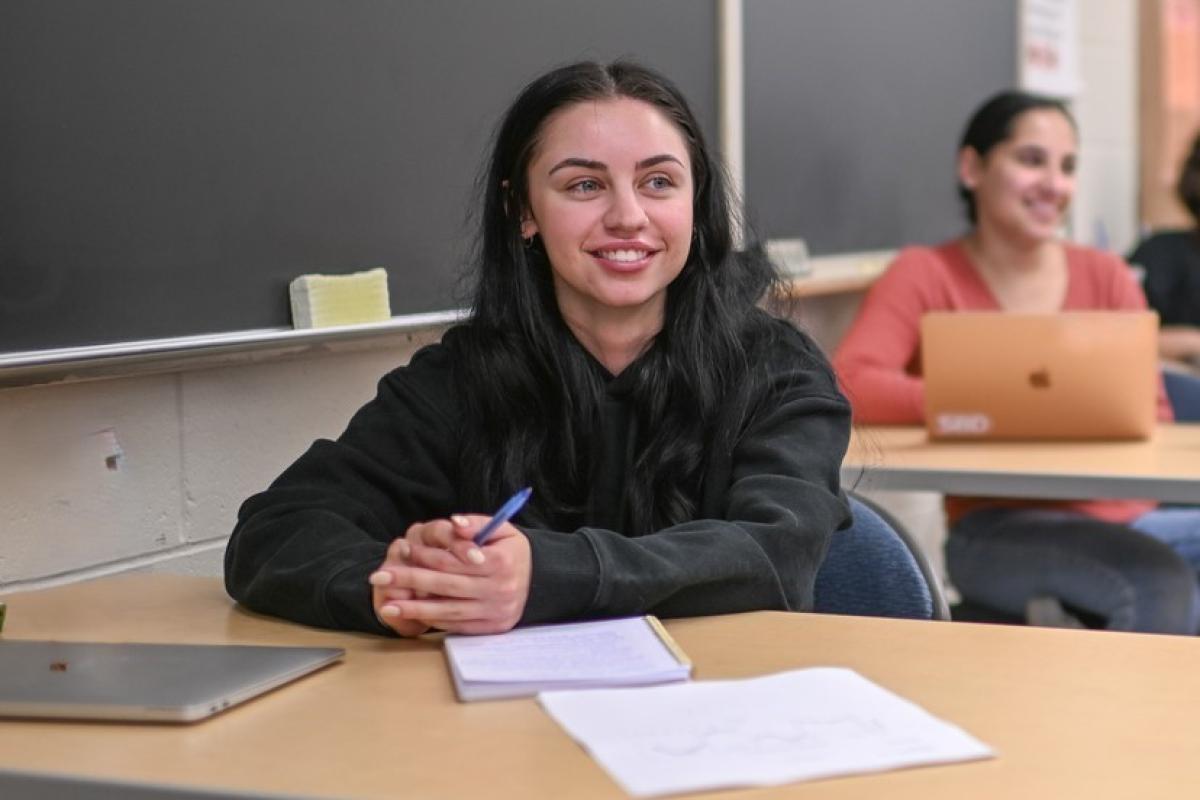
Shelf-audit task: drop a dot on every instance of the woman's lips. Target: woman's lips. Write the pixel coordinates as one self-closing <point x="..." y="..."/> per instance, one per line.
<point x="625" y="259"/>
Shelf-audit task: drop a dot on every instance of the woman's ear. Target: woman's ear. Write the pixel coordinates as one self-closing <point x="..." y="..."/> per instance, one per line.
<point x="529" y="226"/>
<point x="970" y="168"/>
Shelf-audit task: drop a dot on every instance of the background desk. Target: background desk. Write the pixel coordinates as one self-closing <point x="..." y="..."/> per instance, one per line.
<point x="1071" y="713"/>
<point x="1167" y="467"/>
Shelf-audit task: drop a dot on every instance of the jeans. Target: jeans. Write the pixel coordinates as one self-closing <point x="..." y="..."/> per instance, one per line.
<point x="1178" y="528"/>
<point x="1138" y="577"/>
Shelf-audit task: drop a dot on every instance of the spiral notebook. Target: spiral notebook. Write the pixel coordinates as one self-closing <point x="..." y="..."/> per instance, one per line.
<point x="631" y="651"/>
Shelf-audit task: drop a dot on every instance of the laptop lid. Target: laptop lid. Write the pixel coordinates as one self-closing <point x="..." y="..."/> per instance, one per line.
<point x="1068" y="375"/>
<point x="151" y="682"/>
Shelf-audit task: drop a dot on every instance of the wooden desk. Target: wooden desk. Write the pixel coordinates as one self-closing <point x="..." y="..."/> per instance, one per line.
<point x="837" y="274"/>
<point x="1071" y="713"/>
<point x="1167" y="467"/>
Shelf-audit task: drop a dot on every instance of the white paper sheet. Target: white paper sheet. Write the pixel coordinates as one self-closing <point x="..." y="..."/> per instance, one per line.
<point x="791" y="726"/>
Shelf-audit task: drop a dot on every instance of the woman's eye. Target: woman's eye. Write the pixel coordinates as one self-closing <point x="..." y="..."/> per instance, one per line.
<point x="1031" y="158"/>
<point x="585" y="186"/>
<point x="659" y="182"/>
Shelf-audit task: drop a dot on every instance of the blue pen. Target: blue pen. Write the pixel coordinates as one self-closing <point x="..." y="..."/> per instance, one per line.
<point x="506" y="512"/>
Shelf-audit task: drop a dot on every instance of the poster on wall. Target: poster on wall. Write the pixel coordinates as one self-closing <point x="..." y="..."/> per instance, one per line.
<point x="1049" y="62"/>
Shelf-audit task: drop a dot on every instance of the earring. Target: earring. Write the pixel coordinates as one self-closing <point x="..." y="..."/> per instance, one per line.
<point x="527" y="236"/>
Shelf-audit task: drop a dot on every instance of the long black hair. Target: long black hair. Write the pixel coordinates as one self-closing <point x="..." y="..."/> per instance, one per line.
<point x="992" y="123"/>
<point x="532" y="394"/>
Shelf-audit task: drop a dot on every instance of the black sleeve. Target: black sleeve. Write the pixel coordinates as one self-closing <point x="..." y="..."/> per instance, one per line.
<point x="1159" y="260"/>
<point x="782" y="504"/>
<point x="303" y="549"/>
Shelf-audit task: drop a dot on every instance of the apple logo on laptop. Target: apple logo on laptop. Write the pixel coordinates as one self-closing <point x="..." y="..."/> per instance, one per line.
<point x="1040" y="378"/>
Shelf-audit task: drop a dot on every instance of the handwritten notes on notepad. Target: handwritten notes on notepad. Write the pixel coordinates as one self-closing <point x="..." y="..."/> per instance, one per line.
<point x="634" y="651"/>
<point x="791" y="726"/>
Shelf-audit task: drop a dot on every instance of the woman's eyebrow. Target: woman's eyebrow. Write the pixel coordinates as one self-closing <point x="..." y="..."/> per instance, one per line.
<point x="578" y="162"/>
<point x="587" y="163"/>
<point x="653" y="161"/>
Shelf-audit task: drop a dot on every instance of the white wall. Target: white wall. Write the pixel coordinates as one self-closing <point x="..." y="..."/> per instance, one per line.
<point x="148" y="472"/>
<point x="193" y="444"/>
<point x="1106" y="110"/>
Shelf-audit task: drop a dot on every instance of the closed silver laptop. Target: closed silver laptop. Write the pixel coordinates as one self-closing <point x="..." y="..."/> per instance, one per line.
<point x="135" y="681"/>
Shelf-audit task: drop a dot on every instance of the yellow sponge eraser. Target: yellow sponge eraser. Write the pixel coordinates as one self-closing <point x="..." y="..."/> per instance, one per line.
<point x="319" y="301"/>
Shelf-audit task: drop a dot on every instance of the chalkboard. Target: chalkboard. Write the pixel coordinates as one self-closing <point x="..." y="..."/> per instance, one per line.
<point x="168" y="166"/>
<point x="854" y="109"/>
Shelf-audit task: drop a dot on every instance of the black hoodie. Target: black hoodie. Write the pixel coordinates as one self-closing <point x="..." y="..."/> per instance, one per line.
<point x="303" y="548"/>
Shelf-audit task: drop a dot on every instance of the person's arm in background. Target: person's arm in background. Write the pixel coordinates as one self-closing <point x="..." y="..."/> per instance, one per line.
<point x="874" y="359"/>
<point x="1125" y="292"/>
<point x="1160" y="260"/>
<point x="1181" y="344"/>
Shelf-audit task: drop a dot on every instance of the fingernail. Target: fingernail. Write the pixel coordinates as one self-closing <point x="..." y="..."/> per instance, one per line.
<point x="380" y="578"/>
<point x="389" y="611"/>
<point x="404" y="548"/>
<point x="460" y="520"/>
<point x="475" y="555"/>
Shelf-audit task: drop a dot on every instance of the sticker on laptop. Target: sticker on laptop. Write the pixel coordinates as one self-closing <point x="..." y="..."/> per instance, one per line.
<point x="969" y="424"/>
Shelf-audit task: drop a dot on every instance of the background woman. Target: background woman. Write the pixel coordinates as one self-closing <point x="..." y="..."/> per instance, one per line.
<point x="1122" y="562"/>
<point x="683" y="447"/>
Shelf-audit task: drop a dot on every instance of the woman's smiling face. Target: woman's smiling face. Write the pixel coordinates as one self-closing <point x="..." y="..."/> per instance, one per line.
<point x="1024" y="184"/>
<point x="610" y="192"/>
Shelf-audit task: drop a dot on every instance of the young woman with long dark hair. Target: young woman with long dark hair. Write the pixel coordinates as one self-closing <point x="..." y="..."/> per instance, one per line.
<point x="683" y="446"/>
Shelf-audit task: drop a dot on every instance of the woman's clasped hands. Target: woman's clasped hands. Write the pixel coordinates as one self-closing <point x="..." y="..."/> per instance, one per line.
<point x="435" y="576"/>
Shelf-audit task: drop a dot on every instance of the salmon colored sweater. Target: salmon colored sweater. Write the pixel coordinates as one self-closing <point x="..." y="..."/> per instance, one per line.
<point x="879" y="360"/>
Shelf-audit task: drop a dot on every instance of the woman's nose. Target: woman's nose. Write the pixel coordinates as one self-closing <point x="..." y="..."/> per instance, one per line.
<point x="1056" y="181"/>
<point x="1062" y="182"/>
<point x="625" y="211"/>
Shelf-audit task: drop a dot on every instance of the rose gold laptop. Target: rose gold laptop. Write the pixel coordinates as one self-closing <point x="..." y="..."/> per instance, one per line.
<point x="1070" y="375"/>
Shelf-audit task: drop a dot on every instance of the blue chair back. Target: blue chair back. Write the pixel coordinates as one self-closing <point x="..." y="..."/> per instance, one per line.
<point x="873" y="570"/>
<point x="1183" y="390"/>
